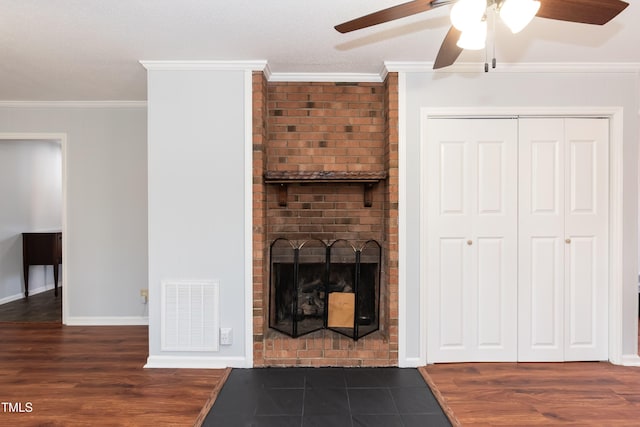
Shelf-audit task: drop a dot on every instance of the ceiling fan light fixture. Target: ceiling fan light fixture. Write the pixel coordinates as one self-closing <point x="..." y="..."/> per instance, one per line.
<point x="474" y="37"/>
<point x="517" y="14"/>
<point x="467" y="13"/>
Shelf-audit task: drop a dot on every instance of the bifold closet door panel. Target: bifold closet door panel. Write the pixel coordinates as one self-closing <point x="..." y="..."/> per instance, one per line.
<point x="541" y="240"/>
<point x="586" y="234"/>
<point x="562" y="239"/>
<point x="471" y="258"/>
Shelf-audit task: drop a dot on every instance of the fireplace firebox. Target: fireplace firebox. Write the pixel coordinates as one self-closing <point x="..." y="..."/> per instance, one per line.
<point x="316" y="286"/>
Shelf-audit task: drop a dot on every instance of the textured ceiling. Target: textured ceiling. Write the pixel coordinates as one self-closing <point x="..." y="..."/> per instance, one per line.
<point x="90" y="49"/>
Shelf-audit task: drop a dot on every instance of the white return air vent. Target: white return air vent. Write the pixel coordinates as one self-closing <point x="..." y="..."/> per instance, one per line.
<point x="190" y="316"/>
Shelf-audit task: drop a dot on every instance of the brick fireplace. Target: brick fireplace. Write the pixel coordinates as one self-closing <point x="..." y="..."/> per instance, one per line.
<point x="325" y="167"/>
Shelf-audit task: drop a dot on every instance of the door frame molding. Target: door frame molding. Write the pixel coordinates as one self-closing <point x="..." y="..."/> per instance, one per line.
<point x="60" y="138"/>
<point x="616" y="173"/>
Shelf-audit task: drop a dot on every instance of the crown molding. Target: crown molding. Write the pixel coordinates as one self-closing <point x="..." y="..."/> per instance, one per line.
<point x="325" y="77"/>
<point x="464" y="67"/>
<point x="254" y="65"/>
<point x="525" y="67"/>
<point x="267" y="72"/>
<point x="384" y="71"/>
<point x="73" y="104"/>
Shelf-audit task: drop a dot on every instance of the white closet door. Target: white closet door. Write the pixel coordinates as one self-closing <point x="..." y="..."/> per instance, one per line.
<point x="541" y="240"/>
<point x="472" y="243"/>
<point x="563" y="244"/>
<point x="586" y="234"/>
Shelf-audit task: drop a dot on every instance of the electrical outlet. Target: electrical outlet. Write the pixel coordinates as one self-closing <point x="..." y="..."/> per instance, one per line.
<point x="144" y="296"/>
<point x="226" y="336"/>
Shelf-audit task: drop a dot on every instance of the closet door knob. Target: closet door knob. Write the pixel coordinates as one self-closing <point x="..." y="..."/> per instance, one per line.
<point x="567" y="241"/>
<point x="469" y="242"/>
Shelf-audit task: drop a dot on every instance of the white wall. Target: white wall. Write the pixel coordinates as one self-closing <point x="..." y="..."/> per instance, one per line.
<point x="31" y="195"/>
<point x="198" y="200"/>
<point x="106" y="204"/>
<point x="500" y="89"/>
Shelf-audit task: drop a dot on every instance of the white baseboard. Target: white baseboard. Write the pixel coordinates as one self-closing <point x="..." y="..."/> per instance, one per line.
<point x="630" y="360"/>
<point x="106" y="321"/>
<point x="35" y="291"/>
<point x="11" y="298"/>
<point x="196" y="362"/>
<point x="409" y="362"/>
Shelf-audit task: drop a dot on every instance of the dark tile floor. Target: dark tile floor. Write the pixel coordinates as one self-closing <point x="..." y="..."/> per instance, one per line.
<point x="327" y="397"/>
<point x="42" y="307"/>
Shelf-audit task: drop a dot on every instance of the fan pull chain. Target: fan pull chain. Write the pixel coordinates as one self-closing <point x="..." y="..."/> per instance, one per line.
<point x="493" y="61"/>
<point x="486" y="59"/>
<point x="486" y="47"/>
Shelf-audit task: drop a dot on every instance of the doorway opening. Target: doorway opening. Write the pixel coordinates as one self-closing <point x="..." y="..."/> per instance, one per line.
<point x="33" y="190"/>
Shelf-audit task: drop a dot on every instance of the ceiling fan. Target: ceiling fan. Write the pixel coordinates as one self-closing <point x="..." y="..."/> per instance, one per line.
<point x="469" y="26"/>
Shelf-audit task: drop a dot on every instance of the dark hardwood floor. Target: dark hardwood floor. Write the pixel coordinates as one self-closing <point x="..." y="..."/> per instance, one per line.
<point x="94" y="376"/>
<point x="55" y="375"/>
<point x="509" y="394"/>
<point x="42" y="307"/>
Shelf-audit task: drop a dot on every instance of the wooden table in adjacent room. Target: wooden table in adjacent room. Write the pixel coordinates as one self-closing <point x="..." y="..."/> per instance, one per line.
<point x="41" y="249"/>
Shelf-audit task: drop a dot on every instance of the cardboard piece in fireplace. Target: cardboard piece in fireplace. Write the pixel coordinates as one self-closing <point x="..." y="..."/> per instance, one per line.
<point x="341" y="309"/>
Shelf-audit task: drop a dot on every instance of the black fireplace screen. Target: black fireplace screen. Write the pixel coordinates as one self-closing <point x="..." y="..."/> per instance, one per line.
<point x="318" y="286"/>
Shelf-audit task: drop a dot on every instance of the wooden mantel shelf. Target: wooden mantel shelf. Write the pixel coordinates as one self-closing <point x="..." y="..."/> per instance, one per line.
<point x="369" y="179"/>
<point x="296" y="177"/>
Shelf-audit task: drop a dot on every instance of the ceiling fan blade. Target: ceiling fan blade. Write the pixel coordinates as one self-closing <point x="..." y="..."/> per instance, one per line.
<point x="386" y="15"/>
<point x="449" y="50"/>
<point x="597" y="12"/>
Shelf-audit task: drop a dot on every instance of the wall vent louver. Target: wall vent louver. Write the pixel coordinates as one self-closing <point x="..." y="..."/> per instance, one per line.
<point x="190" y="316"/>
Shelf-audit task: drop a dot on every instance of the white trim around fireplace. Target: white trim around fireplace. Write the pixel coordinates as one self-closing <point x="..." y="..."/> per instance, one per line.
<point x="248" y="217"/>
<point x="404" y="361"/>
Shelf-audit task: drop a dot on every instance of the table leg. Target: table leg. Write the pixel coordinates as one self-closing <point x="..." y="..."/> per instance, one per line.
<point x="55" y="279"/>
<point x="26" y="280"/>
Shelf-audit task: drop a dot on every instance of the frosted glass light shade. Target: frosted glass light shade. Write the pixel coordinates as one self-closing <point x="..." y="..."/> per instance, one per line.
<point x="467" y="13"/>
<point x="518" y="13"/>
<point x="474" y="37"/>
